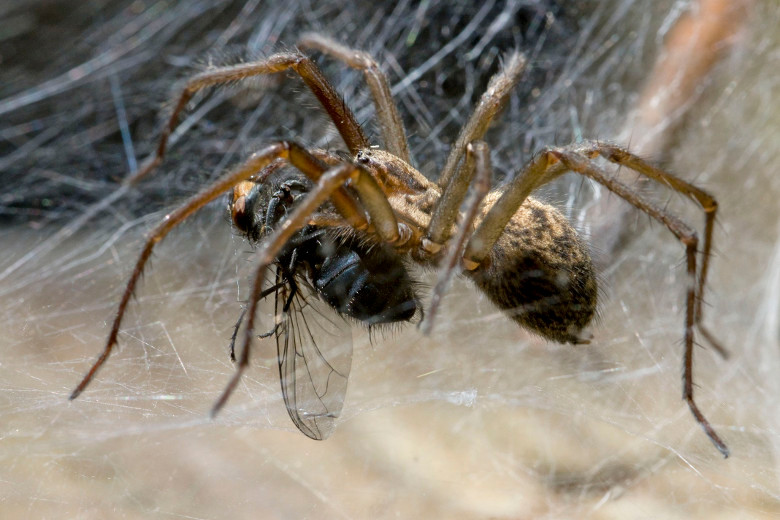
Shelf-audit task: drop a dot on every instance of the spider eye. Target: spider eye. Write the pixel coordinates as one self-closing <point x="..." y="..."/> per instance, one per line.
<point x="363" y="157"/>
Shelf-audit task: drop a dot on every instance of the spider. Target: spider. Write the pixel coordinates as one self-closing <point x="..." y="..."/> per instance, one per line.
<point x="521" y="253"/>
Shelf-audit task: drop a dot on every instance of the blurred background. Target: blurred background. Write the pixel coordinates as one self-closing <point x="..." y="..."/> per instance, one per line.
<point x="481" y="419"/>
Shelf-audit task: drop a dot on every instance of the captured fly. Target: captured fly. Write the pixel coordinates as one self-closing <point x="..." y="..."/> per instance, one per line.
<point x="325" y="278"/>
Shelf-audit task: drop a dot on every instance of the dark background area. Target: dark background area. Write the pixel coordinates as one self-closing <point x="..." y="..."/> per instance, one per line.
<point x="74" y="78"/>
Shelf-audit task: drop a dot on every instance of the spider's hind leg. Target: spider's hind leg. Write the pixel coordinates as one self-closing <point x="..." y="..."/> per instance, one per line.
<point x="578" y="163"/>
<point x="707" y="202"/>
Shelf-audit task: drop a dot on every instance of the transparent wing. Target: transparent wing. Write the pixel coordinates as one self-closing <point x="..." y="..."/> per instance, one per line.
<point x="314" y="345"/>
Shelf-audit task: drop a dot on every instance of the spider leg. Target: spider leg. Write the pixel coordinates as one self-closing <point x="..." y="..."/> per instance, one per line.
<point x="477" y="158"/>
<point x="313" y="167"/>
<point x="576" y="163"/>
<point x="707" y="202"/>
<point x="372" y="199"/>
<point x="390" y="121"/>
<point x="240" y="173"/>
<point x="298" y="157"/>
<point x="552" y="163"/>
<point x="447" y="208"/>
<point x="456" y="184"/>
<point x="540" y="170"/>
<point x="491" y="102"/>
<point x="311" y="75"/>
<point x="327" y="184"/>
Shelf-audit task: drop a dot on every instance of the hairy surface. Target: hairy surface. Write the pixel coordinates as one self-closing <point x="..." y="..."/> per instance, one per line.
<point x="540" y="273"/>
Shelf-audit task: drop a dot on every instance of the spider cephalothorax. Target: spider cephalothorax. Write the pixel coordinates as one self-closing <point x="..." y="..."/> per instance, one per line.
<point x="521" y="253"/>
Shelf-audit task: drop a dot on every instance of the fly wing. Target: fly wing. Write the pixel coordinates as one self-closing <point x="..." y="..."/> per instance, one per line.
<point x="314" y="345"/>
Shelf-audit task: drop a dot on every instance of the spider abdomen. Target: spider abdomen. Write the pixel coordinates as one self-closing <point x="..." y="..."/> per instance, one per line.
<point x="540" y="274"/>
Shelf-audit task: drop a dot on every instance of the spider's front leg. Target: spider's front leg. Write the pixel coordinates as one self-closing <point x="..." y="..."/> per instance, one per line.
<point x="255" y="163"/>
<point x="371" y="197"/>
<point x="327" y="184"/>
<point x="390" y="121"/>
<point x="308" y="71"/>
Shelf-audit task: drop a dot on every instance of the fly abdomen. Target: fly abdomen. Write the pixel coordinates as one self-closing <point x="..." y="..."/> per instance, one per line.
<point x="337" y="279"/>
<point x="365" y="283"/>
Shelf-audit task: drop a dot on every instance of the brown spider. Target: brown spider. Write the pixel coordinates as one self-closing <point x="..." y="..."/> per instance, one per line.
<point x="521" y="253"/>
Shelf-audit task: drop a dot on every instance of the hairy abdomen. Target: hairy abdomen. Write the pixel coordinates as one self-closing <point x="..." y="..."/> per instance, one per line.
<point x="540" y="274"/>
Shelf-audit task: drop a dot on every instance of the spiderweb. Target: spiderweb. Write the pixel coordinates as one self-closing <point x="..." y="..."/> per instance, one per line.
<point x="478" y="420"/>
